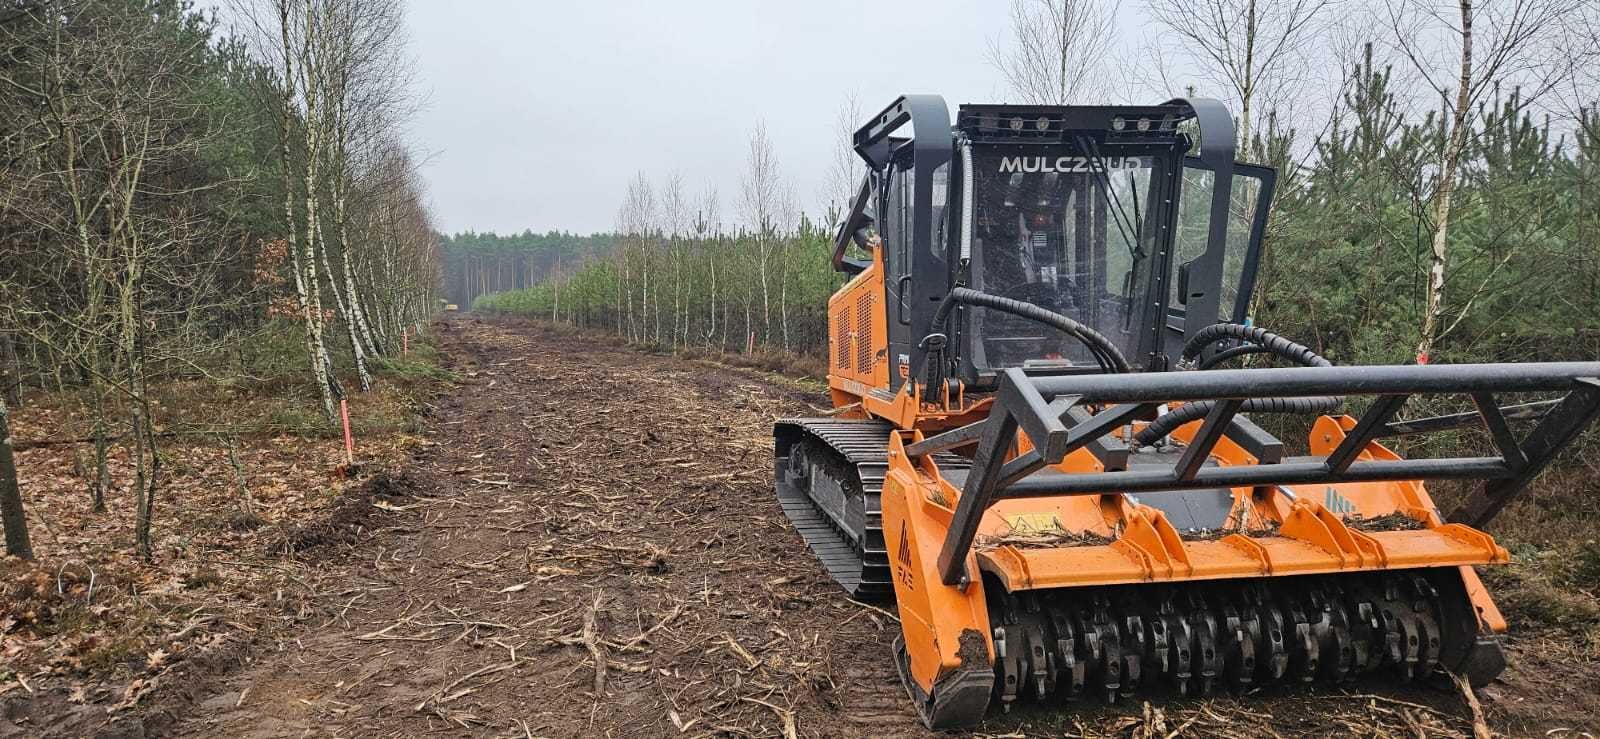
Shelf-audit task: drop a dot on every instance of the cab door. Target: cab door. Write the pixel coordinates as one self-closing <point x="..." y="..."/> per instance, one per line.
<point x="1214" y="281"/>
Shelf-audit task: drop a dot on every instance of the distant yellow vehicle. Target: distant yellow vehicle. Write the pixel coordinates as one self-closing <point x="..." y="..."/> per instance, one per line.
<point x="451" y="307"/>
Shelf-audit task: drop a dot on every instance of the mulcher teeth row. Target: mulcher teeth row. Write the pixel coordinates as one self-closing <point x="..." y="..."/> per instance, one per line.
<point x="1194" y="639"/>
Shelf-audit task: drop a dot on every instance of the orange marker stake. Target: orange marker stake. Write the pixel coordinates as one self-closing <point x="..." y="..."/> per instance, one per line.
<point x="349" y="442"/>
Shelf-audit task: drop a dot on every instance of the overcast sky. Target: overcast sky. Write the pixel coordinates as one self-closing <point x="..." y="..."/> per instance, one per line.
<point x="539" y="113"/>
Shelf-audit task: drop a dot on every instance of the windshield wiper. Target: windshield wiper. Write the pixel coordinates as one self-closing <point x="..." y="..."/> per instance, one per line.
<point x="1129" y="230"/>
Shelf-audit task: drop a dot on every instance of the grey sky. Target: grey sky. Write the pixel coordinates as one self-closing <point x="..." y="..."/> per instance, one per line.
<point x="539" y="113"/>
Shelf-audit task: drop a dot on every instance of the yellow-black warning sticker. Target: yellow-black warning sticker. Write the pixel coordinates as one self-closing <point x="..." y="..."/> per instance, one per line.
<point x="1023" y="523"/>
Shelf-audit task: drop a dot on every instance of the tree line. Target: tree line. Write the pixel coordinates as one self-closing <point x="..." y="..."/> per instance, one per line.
<point x="176" y="194"/>
<point x="481" y="263"/>
<point x="678" y="275"/>
<point x="1436" y="198"/>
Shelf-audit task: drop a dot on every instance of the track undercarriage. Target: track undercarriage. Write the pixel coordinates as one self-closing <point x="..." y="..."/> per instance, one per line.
<point x="829" y="476"/>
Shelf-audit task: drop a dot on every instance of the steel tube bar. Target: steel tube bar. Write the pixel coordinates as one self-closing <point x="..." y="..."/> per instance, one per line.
<point x="1289" y="382"/>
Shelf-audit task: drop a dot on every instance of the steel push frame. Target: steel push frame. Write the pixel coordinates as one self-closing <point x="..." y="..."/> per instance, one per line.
<point x="1052" y="412"/>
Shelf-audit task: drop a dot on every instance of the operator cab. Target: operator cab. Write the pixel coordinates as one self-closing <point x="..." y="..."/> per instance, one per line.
<point x="1107" y="215"/>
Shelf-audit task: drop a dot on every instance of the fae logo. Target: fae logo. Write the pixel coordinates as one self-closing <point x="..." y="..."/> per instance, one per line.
<point x="905" y="558"/>
<point x="1337" y="503"/>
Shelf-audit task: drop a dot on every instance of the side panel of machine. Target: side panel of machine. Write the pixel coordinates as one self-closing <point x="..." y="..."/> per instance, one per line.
<point x="857" y="331"/>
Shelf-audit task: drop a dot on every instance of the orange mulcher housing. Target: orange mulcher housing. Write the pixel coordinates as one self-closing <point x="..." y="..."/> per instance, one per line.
<point x="1055" y="520"/>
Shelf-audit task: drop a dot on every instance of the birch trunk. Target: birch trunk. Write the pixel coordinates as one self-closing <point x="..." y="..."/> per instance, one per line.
<point x="1447" y="182"/>
<point x="305" y="289"/>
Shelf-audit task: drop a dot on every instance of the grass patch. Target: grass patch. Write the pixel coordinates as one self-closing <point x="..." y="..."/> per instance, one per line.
<point x="412" y="369"/>
<point x="1532" y="593"/>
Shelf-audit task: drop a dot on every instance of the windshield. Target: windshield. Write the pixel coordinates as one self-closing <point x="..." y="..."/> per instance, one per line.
<point x="1065" y="232"/>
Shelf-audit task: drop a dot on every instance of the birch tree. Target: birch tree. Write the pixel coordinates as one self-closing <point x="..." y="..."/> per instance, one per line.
<point x="1462" y="59"/>
<point x="760" y="202"/>
<point x="1247" y="49"/>
<point x="1057" y="50"/>
<point x="845" y="168"/>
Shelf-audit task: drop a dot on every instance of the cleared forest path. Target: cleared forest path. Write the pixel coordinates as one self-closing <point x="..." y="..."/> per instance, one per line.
<point x="584" y="504"/>
<point x="580" y="499"/>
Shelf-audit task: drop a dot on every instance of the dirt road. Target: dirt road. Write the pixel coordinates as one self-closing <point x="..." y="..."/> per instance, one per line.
<point x="590" y="547"/>
<point x="579" y="501"/>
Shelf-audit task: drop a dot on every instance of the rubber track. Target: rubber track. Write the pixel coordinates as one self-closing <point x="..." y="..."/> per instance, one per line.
<point x="862" y="571"/>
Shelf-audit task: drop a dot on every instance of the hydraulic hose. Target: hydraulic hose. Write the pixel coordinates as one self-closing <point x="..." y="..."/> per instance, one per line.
<point x="1105" y="353"/>
<point x="1260" y="341"/>
<point x="1269" y="342"/>
<point x="1227" y="354"/>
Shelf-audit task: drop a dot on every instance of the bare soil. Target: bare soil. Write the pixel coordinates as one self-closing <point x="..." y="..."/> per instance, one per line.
<point x="588" y="545"/>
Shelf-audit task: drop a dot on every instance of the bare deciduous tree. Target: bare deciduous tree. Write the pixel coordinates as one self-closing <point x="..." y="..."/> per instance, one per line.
<point x="1462" y="58"/>
<point x="845" y="168"/>
<point x="760" y="202"/>
<point x="1057" y="51"/>
<point x="675" y="216"/>
<point x="1247" y="49"/>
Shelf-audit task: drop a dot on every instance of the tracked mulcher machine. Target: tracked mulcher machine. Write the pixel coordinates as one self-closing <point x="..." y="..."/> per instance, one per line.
<point x="1040" y="453"/>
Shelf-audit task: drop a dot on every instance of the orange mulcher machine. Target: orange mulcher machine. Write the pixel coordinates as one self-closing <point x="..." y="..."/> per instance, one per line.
<point x="1038" y="454"/>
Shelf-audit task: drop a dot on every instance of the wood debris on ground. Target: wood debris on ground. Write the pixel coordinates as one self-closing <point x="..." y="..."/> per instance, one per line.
<point x="593" y="548"/>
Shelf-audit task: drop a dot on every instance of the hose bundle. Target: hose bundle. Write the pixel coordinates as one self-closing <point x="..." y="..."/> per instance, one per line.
<point x="1258" y="341"/>
<point x="1106" y="354"/>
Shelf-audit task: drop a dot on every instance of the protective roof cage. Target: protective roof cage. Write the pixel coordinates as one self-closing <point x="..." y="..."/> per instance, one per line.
<point x="1052" y="412"/>
<point x="1143" y="124"/>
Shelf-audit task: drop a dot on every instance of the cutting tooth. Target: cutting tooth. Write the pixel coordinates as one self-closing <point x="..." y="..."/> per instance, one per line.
<point x="1110" y="663"/>
<point x="1038" y="669"/>
<point x="1069" y="669"/>
<point x="1274" y="660"/>
<point x="1424" y="604"/>
<point x="1181" y="637"/>
<point x="1006" y="662"/>
<point x="1405" y="633"/>
<point x="1239" y="627"/>
<point x="1364" y="628"/>
<point x="1206" y="651"/>
<point x="1133" y="643"/>
<point x="1337" y="643"/>
<point x="1158" y="657"/>
<point x="1303" y="648"/>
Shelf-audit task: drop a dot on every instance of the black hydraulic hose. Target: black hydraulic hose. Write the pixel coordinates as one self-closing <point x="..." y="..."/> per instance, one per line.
<point x="968" y="296"/>
<point x="1268" y="341"/>
<point x="1228" y="354"/>
<point x="1106" y="353"/>
<point x="1187" y="412"/>
<point x="1261" y="341"/>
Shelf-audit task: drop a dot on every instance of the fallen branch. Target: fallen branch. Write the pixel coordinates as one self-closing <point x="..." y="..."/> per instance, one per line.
<point x="738" y="649"/>
<point x="677" y="609"/>
<point x="591" y="639"/>
<point x="1480" y="726"/>
<point x="445" y="696"/>
<point x="790" y="731"/>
